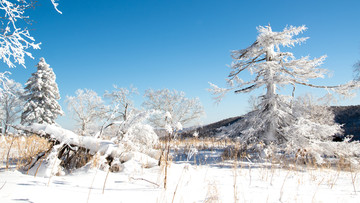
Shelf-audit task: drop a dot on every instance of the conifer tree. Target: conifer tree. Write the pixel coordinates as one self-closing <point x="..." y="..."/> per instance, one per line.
<point x="41" y="95"/>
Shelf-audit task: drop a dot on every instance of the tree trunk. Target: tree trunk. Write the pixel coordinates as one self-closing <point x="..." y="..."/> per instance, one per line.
<point x="270" y="99"/>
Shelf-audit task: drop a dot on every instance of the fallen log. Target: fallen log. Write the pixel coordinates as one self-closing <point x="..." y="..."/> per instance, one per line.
<point x="73" y="150"/>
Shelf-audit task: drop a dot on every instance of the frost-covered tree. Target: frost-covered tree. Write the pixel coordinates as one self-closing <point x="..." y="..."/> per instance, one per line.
<point x="88" y="108"/>
<point x="121" y="112"/>
<point x="173" y="107"/>
<point x="11" y="104"/>
<point x="122" y="105"/>
<point x="272" y="69"/>
<point x="173" y="111"/>
<point x="41" y="95"/>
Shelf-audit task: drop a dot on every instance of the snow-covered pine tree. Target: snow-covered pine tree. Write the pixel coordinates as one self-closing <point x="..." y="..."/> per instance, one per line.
<point x="41" y="95"/>
<point x="272" y="69"/>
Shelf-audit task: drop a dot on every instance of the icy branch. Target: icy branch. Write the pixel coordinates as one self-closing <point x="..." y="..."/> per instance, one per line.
<point x="56" y="5"/>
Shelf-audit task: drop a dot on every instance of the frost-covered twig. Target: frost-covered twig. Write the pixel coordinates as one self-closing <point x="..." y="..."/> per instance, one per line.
<point x="143" y="179"/>
<point x="2" y="186"/>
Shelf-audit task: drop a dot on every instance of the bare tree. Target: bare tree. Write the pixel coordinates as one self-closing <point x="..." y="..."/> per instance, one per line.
<point x="11" y="104"/>
<point x="122" y="105"/>
<point x="88" y="108"/>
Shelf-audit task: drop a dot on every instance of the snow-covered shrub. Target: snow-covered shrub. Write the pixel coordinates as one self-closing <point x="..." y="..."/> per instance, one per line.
<point x="134" y="134"/>
<point x="142" y="136"/>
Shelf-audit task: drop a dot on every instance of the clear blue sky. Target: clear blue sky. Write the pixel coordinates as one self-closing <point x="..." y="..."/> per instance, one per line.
<point x="181" y="44"/>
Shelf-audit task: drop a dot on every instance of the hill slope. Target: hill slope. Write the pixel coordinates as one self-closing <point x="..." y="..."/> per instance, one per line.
<point x="349" y="116"/>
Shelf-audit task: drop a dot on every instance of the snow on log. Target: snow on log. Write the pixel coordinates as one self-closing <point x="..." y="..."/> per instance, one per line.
<point x="67" y="137"/>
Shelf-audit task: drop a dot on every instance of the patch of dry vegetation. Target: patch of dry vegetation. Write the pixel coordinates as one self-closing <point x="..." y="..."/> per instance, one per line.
<point x="16" y="151"/>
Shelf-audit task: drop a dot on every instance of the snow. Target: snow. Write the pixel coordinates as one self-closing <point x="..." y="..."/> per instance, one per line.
<point x="200" y="176"/>
<point x="186" y="183"/>
<point x="66" y="136"/>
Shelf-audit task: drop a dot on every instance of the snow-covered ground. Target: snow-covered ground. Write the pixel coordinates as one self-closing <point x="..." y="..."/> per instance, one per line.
<point x="193" y="176"/>
<point x="187" y="183"/>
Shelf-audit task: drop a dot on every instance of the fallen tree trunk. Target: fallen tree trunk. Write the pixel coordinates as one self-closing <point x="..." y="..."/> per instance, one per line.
<point x="72" y="150"/>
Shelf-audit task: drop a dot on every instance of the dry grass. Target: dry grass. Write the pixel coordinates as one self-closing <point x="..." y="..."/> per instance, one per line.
<point x="212" y="194"/>
<point x="17" y="151"/>
<point x="200" y="144"/>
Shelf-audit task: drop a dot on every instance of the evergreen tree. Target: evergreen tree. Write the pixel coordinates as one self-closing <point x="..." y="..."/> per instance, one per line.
<point x="41" y="95"/>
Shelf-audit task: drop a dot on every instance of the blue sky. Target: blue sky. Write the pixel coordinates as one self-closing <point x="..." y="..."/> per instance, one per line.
<point x="181" y="44"/>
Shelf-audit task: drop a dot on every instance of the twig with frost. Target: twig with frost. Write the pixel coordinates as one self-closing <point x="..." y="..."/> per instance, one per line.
<point x="143" y="179"/>
<point x="317" y="188"/>
<point x="91" y="186"/>
<point x="282" y="187"/>
<point x="107" y="175"/>
<point x="2" y="185"/>
<point x="177" y="185"/>
<point x="353" y="179"/>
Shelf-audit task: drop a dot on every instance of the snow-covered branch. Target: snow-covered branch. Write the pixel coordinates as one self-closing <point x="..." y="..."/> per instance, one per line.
<point x="15" y="39"/>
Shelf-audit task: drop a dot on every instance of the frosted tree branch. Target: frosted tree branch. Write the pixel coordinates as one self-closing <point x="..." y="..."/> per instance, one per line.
<point x="14" y="39"/>
<point x="56" y="5"/>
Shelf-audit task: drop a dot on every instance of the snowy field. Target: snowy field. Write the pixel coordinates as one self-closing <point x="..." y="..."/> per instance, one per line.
<point x="187" y="182"/>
